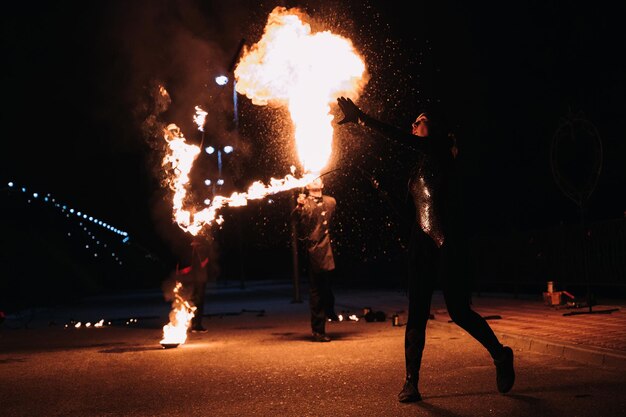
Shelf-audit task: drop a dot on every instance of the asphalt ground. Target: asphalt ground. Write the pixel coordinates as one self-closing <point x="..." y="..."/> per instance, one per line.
<point x="257" y="359"/>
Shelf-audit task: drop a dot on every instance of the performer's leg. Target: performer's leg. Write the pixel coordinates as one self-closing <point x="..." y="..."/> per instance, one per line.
<point x="420" y="293"/>
<point x="462" y="314"/>
<point x="457" y="292"/>
<point x="318" y="315"/>
<point x="455" y="275"/>
<point x="475" y="325"/>
<point x="457" y="296"/>
<point x="329" y="297"/>
<point x="199" y="294"/>
<point x="415" y="333"/>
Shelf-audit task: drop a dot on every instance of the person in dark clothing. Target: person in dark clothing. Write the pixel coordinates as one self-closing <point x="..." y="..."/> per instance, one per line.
<point x="198" y="275"/>
<point x="439" y="242"/>
<point x="314" y="214"/>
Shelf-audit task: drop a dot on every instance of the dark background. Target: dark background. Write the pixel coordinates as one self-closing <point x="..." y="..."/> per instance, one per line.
<point x="78" y="82"/>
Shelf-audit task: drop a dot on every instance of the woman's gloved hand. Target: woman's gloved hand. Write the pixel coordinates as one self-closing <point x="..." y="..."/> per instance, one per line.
<point x="351" y="112"/>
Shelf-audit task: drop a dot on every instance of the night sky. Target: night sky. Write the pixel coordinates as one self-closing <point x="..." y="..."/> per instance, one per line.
<point x="78" y="76"/>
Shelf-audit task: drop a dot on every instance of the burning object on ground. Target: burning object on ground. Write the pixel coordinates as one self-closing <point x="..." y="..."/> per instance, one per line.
<point x="175" y="332"/>
<point x="78" y="324"/>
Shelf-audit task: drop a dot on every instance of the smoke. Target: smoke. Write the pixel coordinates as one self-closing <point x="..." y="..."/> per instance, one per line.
<point x="173" y="50"/>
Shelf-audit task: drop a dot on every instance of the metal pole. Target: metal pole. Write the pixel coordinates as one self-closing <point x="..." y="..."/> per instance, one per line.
<point x="242" y="271"/>
<point x="294" y="260"/>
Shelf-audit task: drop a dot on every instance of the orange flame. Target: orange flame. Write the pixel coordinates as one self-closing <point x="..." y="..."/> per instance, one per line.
<point x="179" y="159"/>
<point x="292" y="66"/>
<point x="180" y="319"/>
<point x="199" y="118"/>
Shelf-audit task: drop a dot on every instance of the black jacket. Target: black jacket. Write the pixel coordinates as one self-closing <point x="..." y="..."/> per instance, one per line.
<point x="433" y="181"/>
<point x="315" y="218"/>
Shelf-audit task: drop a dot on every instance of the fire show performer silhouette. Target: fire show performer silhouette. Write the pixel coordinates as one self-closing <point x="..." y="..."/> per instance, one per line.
<point x="440" y="244"/>
<point x="314" y="214"/>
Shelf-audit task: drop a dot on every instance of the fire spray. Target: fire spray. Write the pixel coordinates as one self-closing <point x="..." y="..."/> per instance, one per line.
<point x="289" y="66"/>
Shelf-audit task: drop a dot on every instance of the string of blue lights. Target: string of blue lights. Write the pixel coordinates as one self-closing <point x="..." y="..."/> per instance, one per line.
<point x="84" y="221"/>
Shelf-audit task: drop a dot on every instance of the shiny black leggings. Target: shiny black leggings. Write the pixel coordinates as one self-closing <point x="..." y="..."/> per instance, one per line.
<point x="448" y="266"/>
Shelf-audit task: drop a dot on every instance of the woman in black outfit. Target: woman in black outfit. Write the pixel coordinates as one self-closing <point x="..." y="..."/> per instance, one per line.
<point x="440" y="245"/>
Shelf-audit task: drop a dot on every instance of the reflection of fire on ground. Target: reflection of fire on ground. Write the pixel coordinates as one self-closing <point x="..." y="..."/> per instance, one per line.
<point x="175" y="332"/>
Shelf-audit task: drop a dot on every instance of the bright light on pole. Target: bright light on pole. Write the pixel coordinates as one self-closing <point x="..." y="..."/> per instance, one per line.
<point x="221" y="80"/>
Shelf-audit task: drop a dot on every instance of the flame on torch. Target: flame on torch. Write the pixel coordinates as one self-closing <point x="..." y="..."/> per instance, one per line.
<point x="175" y="332"/>
<point x="179" y="161"/>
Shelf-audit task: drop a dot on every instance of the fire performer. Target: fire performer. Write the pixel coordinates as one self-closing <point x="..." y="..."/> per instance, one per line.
<point x="440" y="247"/>
<point x="199" y="271"/>
<point x="314" y="213"/>
<point x="196" y="276"/>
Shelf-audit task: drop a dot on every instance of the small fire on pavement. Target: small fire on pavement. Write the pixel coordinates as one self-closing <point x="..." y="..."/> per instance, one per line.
<point x="175" y="332"/>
